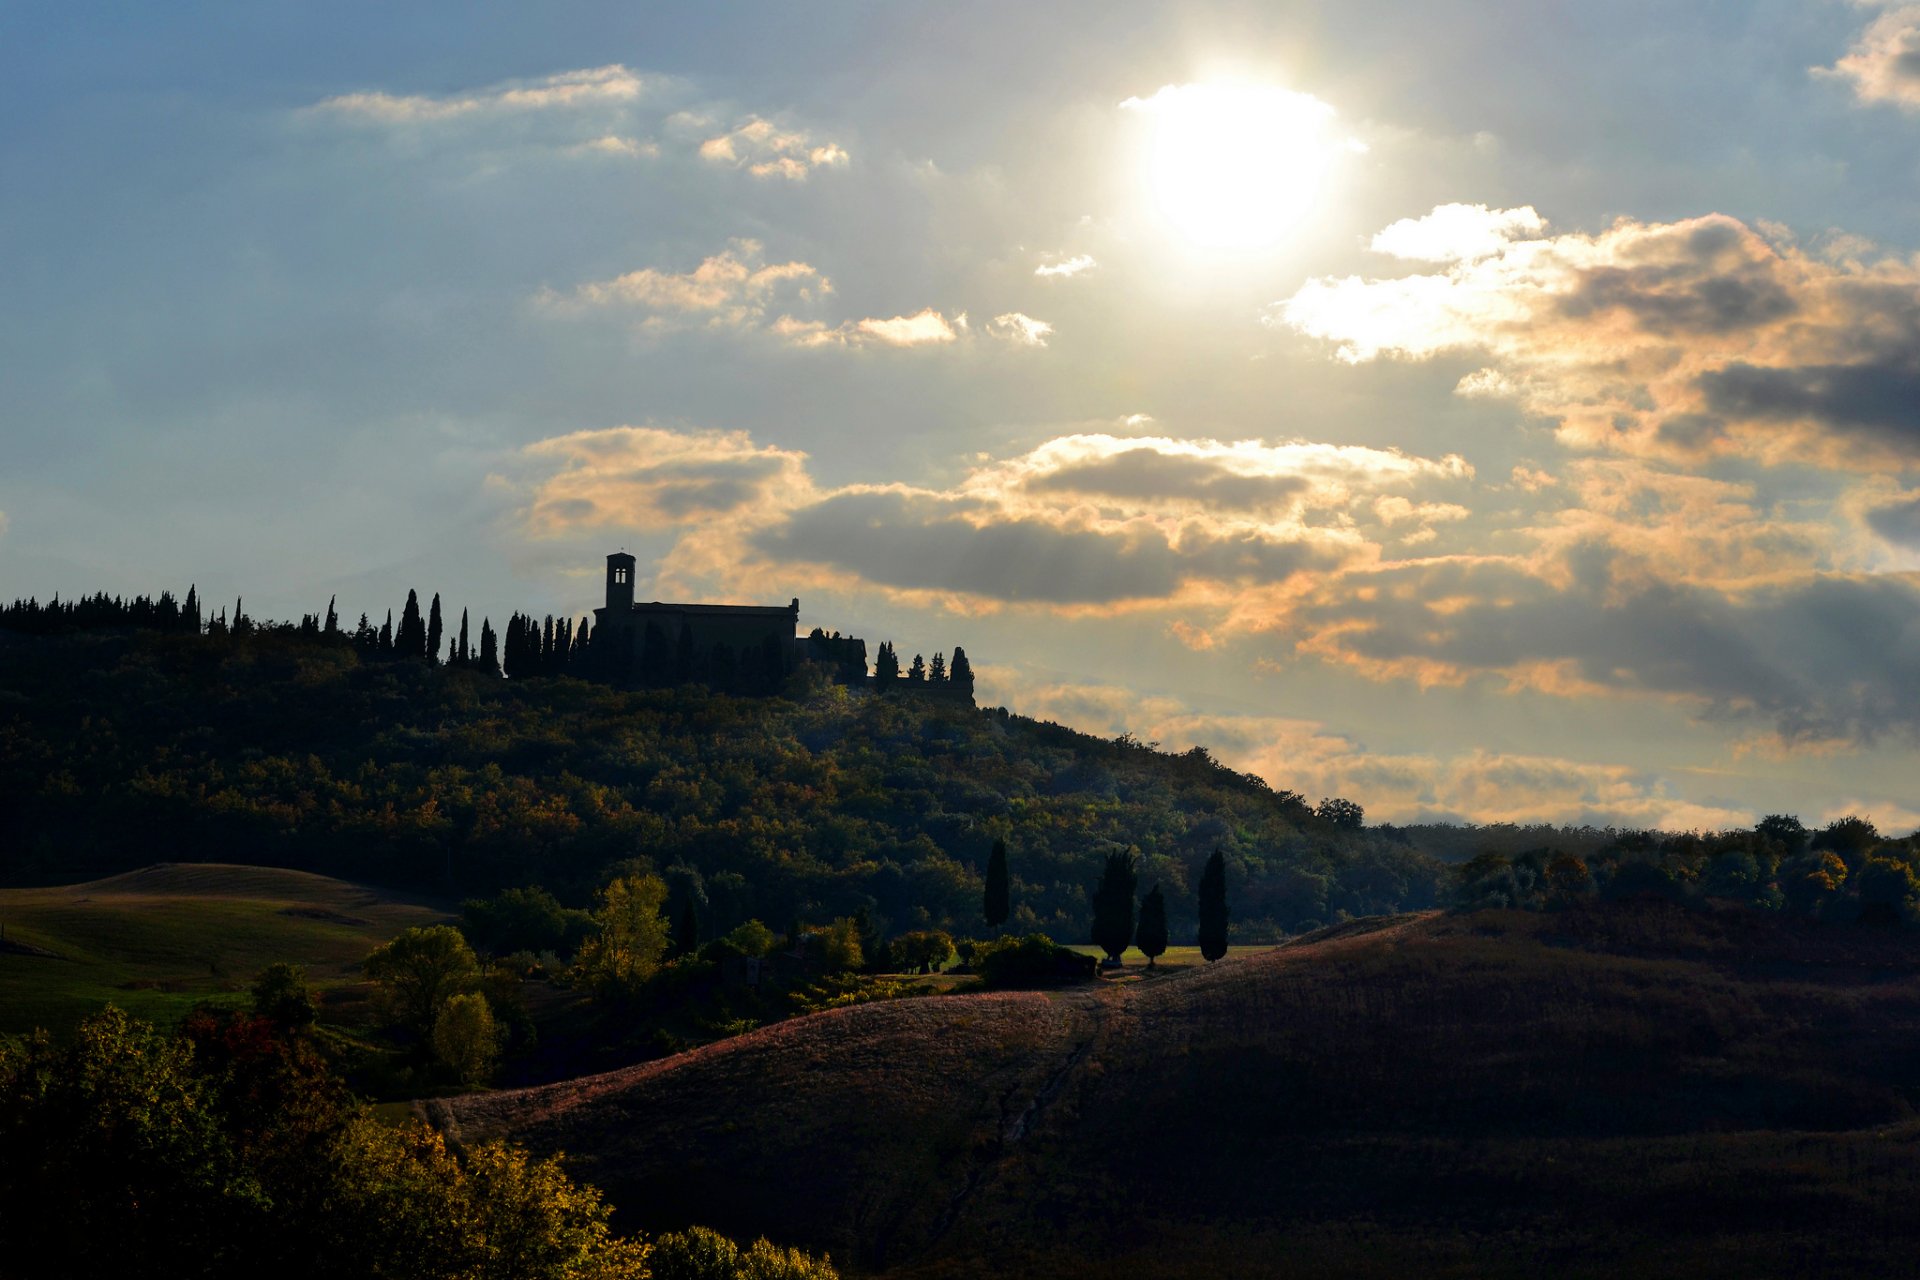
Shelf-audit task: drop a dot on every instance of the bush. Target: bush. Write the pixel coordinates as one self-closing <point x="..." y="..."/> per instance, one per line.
<point x="752" y="939"/>
<point x="838" y="946"/>
<point x="700" y="1254"/>
<point x="1033" y="961"/>
<point x="923" y="951"/>
<point x="280" y="993"/>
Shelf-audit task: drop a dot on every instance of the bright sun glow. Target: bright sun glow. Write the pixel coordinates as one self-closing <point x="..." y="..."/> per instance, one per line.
<point x="1237" y="166"/>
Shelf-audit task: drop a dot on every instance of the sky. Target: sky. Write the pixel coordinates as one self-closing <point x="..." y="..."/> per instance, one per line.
<point x="1482" y="411"/>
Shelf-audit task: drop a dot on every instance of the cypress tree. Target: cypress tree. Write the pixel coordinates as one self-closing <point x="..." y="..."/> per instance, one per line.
<point x="1113" y="906"/>
<point x="515" y="635"/>
<point x="462" y="656"/>
<point x="937" y="674"/>
<point x="190" y="611"/>
<point x="434" y="630"/>
<point x="917" y="673"/>
<point x="411" y="640"/>
<point x="997" y="904"/>
<point x="1152" y="935"/>
<point x="960" y="672"/>
<point x="1213" y="907"/>
<point x="332" y="627"/>
<point x="489" y="656"/>
<point x="386" y="636"/>
<point x="686" y="931"/>
<point x="546" y="647"/>
<point x="886" y="666"/>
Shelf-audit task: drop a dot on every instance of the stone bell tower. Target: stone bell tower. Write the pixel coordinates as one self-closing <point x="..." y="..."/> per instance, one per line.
<point x="619" y="585"/>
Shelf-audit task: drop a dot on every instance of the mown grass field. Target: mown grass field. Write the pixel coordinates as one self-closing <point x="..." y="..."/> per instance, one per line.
<point x="160" y="940"/>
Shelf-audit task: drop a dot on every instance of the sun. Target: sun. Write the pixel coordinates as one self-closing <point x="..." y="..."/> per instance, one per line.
<point x="1237" y="166"/>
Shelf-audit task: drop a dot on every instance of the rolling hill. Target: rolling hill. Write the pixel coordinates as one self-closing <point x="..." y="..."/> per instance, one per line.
<point x="1626" y="1088"/>
<point x="159" y="940"/>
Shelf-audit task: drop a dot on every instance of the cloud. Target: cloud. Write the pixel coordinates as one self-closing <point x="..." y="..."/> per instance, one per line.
<point x="1675" y="340"/>
<point x="1458" y="233"/>
<point x="1082" y="523"/>
<point x="1884" y="62"/>
<point x="1897" y="522"/>
<point x="1021" y="330"/>
<point x="922" y="329"/>
<point x="766" y="150"/>
<point x="1065" y="269"/>
<point x="733" y="289"/>
<point x="611" y="144"/>
<point x="1304" y="756"/>
<point x="651" y="478"/>
<point x="568" y="89"/>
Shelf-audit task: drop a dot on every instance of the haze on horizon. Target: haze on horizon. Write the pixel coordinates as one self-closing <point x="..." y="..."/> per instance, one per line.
<point x="1481" y="414"/>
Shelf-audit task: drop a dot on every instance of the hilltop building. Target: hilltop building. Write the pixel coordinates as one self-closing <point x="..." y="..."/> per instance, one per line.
<point x="748" y="648"/>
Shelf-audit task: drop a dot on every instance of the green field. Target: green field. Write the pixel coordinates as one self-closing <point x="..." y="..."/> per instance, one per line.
<point x="161" y="940"/>
<point x="1174" y="958"/>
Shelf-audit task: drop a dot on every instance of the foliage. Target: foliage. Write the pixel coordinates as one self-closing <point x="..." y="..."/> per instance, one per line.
<point x="1567" y="881"/>
<point x="632" y="935"/>
<point x="1340" y="813"/>
<point x="1151" y="936"/>
<point x="700" y="1254"/>
<point x="525" y="919"/>
<point x="420" y="971"/>
<point x="752" y="939"/>
<point x="1212" y="910"/>
<point x="838" y="946"/>
<point x="921" y="951"/>
<point x="997" y="899"/>
<point x="281" y="995"/>
<point x="318" y="754"/>
<point x="1113" y="904"/>
<point x="466" y="1038"/>
<point x="1033" y="961"/>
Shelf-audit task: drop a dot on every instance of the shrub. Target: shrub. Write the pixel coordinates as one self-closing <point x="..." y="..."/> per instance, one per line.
<point x="280" y="993"/>
<point x="700" y="1254"/>
<point x="921" y="952"/>
<point x="752" y="939"/>
<point x="1033" y="961"/>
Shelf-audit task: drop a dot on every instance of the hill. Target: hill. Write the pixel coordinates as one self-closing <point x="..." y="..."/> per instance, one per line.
<point x="159" y="940"/>
<point x="125" y="748"/>
<point x="1624" y="1088"/>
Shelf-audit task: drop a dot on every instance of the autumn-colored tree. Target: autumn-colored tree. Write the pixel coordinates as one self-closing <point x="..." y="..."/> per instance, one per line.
<point x="1566" y="881"/>
<point x="466" y="1038"/>
<point x="420" y="971"/>
<point x="632" y="937"/>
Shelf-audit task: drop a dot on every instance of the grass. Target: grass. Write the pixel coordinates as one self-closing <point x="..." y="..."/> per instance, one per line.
<point x="161" y="940"/>
<point x="1174" y="958"/>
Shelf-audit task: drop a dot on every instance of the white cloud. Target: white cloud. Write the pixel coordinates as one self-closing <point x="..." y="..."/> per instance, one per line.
<point x="612" y="144"/>
<point x="734" y="288"/>
<point x="1884" y="62"/>
<point x="766" y="150"/>
<point x="1458" y="233"/>
<point x="1022" y="330"/>
<point x="924" y="328"/>
<point x="1065" y="269"/>
<point x="588" y="86"/>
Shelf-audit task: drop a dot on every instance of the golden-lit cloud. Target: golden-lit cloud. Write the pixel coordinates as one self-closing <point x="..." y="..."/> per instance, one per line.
<point x="767" y="150"/>
<point x="568" y="89"/>
<point x="1019" y="329"/>
<point x="1676" y="340"/>
<point x="648" y="479"/>
<point x="1458" y="233"/>
<point x="927" y="328"/>
<point x="1883" y="65"/>
<point x="1307" y="757"/>
<point x="1066" y="268"/>
<point x="733" y="289"/>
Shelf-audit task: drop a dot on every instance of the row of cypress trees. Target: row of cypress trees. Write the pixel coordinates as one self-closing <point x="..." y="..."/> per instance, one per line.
<point x="1114" y="927"/>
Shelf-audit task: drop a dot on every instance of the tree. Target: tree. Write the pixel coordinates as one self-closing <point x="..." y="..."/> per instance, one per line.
<point x="466" y="1038"/>
<point x="1785" y="830"/>
<point x="281" y="994"/>
<point x="886" y="666"/>
<point x="421" y="970"/>
<point x="1213" y="907"/>
<point x="1886" y="889"/>
<point x="386" y="636"/>
<point x="411" y="640"/>
<point x="937" y="673"/>
<point x="960" y="673"/>
<point x="1113" y="905"/>
<point x="632" y="937"/>
<point x="1345" y="814"/>
<point x="462" y="654"/>
<point x="998" y="901"/>
<point x="489" y="649"/>
<point x="1852" y="837"/>
<point x="917" y="673"/>
<point x="838" y="946"/>
<point x="922" y="951"/>
<point x="332" y="627"/>
<point x="1567" y="880"/>
<point x="1152" y="936"/>
<point x="434" y="630"/>
<point x="686" y="933"/>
